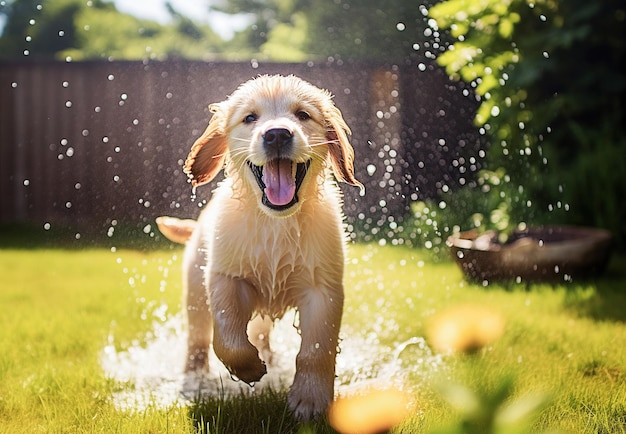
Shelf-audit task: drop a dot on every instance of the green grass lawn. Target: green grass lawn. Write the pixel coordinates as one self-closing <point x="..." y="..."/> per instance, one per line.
<point x="61" y="308"/>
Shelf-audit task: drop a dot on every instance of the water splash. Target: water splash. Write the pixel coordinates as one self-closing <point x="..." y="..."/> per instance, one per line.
<point x="151" y="372"/>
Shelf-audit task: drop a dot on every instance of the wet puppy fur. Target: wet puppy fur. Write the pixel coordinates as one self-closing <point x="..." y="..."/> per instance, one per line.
<point x="271" y="238"/>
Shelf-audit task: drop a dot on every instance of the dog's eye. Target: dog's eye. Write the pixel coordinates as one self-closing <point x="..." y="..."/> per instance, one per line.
<point x="302" y="115"/>
<point x="252" y="117"/>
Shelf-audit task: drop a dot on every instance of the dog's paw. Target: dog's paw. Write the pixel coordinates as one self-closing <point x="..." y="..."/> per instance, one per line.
<point x="267" y="356"/>
<point x="248" y="372"/>
<point x="243" y="362"/>
<point x="309" y="396"/>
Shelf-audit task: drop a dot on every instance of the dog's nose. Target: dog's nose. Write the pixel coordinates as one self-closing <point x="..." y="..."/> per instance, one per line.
<point x="278" y="139"/>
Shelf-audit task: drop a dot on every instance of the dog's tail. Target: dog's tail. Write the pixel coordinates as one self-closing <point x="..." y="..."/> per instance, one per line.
<point x="177" y="230"/>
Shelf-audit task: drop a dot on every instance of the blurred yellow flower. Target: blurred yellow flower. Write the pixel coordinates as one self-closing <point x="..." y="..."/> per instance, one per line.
<point x="374" y="411"/>
<point x="465" y="329"/>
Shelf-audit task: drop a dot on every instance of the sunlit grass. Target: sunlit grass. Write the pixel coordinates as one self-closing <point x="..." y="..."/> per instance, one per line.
<point x="59" y="308"/>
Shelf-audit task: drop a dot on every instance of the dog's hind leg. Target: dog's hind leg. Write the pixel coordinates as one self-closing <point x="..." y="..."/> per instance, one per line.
<point x="200" y="324"/>
<point x="259" y="335"/>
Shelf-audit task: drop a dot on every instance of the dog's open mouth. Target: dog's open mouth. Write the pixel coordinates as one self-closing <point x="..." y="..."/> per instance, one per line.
<point x="279" y="180"/>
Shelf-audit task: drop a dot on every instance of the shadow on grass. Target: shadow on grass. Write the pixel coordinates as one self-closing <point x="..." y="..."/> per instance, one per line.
<point x="602" y="298"/>
<point x="265" y="412"/>
<point x="600" y="295"/>
<point x="28" y="236"/>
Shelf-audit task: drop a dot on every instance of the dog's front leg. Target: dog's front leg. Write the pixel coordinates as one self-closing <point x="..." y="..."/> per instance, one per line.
<point x="313" y="386"/>
<point x="233" y="302"/>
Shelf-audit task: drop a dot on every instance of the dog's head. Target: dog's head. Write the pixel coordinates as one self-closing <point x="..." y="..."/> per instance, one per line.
<point x="277" y="135"/>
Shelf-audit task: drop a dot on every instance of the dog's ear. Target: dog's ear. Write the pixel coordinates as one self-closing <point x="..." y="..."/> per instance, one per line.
<point x="339" y="147"/>
<point x="208" y="152"/>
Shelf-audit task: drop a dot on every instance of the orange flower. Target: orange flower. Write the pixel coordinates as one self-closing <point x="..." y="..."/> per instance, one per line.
<point x="465" y="329"/>
<point x="375" y="411"/>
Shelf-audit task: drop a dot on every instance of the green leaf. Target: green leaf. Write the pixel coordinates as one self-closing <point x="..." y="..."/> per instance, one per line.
<point x="519" y="415"/>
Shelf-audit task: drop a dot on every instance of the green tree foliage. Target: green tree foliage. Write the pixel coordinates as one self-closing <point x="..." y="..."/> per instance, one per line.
<point x="552" y="87"/>
<point x="96" y="29"/>
<point x="281" y="30"/>
<point x="287" y="41"/>
<point x="267" y="15"/>
<point x="35" y="31"/>
<point x="390" y="31"/>
<point x="366" y="30"/>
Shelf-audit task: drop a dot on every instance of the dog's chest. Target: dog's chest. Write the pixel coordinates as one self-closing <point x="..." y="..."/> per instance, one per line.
<point x="274" y="255"/>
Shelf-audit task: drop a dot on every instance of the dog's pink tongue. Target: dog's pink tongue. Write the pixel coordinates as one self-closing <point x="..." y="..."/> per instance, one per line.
<point x="280" y="186"/>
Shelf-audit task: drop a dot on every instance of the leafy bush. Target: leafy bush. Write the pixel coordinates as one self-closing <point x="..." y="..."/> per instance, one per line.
<point x="487" y="206"/>
<point x="549" y="78"/>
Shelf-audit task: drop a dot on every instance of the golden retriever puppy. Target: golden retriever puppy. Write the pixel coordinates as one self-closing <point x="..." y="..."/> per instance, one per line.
<point x="271" y="238"/>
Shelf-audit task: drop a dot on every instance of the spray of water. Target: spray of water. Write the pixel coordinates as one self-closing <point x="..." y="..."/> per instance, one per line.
<point x="151" y="372"/>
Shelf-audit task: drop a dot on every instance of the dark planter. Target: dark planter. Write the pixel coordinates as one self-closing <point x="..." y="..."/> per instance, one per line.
<point x="544" y="253"/>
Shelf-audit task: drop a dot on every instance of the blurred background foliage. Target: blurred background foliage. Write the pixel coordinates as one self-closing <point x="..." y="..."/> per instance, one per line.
<point x="547" y="74"/>
<point x="96" y="29"/>
<point x="279" y="30"/>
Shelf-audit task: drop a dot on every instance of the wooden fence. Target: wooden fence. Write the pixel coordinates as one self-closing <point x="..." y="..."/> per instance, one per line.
<point x="89" y="143"/>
